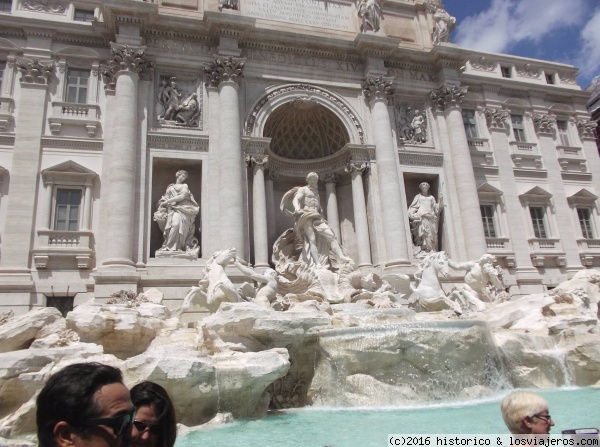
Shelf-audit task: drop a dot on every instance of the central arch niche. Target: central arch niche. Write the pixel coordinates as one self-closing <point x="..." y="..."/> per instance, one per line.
<point x="304" y="130"/>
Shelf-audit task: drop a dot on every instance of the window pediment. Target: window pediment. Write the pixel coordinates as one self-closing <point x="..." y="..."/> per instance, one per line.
<point x="488" y="192"/>
<point x="536" y="195"/>
<point x="68" y="172"/>
<point x="582" y="197"/>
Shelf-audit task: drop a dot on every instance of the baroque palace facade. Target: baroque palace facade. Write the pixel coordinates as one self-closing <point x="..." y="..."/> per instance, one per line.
<point x="104" y="103"/>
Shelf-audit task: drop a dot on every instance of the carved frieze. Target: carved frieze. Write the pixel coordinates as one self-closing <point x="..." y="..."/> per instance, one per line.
<point x="411" y="124"/>
<point x="587" y="129"/>
<point x="34" y="71"/>
<point x="448" y="96"/>
<point x="43" y="6"/>
<point x="497" y="119"/>
<point x="544" y="124"/>
<point x="176" y="143"/>
<point x="417" y="159"/>
<point x="528" y="71"/>
<point x="125" y="58"/>
<point x="178" y="103"/>
<point x="303" y="88"/>
<point x="568" y="78"/>
<point x="378" y="88"/>
<point x="224" y="69"/>
<point x="483" y="64"/>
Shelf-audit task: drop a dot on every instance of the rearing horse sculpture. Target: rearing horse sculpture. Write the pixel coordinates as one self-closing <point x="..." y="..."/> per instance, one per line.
<point x="428" y="294"/>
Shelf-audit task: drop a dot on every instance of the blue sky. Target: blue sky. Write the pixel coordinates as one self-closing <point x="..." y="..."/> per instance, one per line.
<point x="566" y="31"/>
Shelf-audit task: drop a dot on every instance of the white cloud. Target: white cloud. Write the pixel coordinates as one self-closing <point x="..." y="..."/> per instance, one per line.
<point x="588" y="57"/>
<point x="507" y="22"/>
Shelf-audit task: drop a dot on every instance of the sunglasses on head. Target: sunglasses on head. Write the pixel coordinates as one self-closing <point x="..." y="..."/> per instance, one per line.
<point x="118" y="424"/>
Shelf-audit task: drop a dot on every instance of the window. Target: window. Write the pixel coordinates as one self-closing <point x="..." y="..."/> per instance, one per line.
<point x="2" y="69"/>
<point x="505" y="72"/>
<point x="81" y="15"/>
<point x="66" y="215"/>
<point x="470" y="123"/>
<point x="487" y="217"/>
<point x="63" y="303"/>
<point x="5" y="5"/>
<point x="585" y="222"/>
<point x="562" y="127"/>
<point x="518" y="128"/>
<point x="77" y="85"/>
<point x="549" y="78"/>
<point x="537" y="219"/>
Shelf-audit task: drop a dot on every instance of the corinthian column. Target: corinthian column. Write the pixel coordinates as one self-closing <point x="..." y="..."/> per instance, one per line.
<point x="376" y="91"/>
<point x="333" y="216"/>
<point x="225" y="74"/>
<point x="259" y="210"/>
<point x="361" y="225"/>
<point x="449" y="99"/>
<point x="24" y="173"/>
<point x="123" y="73"/>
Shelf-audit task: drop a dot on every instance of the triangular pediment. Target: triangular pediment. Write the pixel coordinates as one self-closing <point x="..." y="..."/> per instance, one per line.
<point x="536" y="194"/>
<point x="486" y="188"/>
<point x="68" y="167"/>
<point x="583" y="196"/>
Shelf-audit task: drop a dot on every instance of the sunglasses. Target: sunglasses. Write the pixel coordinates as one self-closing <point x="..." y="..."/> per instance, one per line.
<point x="143" y="426"/>
<point x="118" y="424"/>
<point x="543" y="417"/>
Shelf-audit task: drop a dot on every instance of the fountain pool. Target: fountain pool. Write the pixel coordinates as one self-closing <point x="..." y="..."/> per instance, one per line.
<point x="355" y="427"/>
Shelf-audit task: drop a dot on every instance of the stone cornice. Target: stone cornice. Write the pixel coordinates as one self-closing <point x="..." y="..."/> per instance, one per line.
<point x="369" y="45"/>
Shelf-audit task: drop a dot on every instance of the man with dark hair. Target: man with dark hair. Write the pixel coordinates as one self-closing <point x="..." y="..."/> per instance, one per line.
<point x="85" y="405"/>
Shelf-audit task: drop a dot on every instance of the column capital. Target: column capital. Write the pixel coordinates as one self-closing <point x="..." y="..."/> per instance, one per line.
<point x="448" y="96"/>
<point x="33" y="71"/>
<point x="359" y="167"/>
<point x="257" y="162"/>
<point x="587" y="128"/>
<point x="544" y="123"/>
<point x="497" y="119"/>
<point x="125" y="58"/>
<point x="378" y="87"/>
<point x="330" y="177"/>
<point x="224" y="69"/>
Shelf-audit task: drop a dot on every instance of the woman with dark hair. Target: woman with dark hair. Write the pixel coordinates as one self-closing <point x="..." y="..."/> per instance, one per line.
<point x="155" y="417"/>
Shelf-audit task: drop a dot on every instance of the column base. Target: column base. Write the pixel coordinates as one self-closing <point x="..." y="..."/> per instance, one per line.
<point x="114" y="278"/>
<point x="529" y="281"/>
<point x="396" y="266"/>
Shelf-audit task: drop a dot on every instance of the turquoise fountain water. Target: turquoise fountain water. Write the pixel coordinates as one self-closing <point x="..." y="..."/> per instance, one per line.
<point x="570" y="408"/>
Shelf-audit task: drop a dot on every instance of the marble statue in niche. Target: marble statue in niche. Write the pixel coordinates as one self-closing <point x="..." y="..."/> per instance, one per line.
<point x="228" y="4"/>
<point x="370" y="13"/>
<point x="411" y="124"/>
<point x="175" y="107"/>
<point x="444" y="24"/>
<point x="318" y="241"/>
<point x="423" y="215"/>
<point x="176" y="217"/>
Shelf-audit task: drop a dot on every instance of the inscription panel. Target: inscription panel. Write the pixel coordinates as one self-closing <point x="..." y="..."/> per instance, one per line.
<point x="317" y="13"/>
<point x="280" y="58"/>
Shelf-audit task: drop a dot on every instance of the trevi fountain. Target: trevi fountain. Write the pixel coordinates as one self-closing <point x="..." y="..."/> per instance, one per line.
<point x="314" y="330"/>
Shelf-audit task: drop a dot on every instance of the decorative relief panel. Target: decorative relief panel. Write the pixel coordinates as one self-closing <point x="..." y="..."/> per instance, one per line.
<point x="412" y="126"/>
<point x="417" y="159"/>
<point x="43" y="6"/>
<point x="528" y="71"/>
<point x="483" y="64"/>
<point x="171" y="45"/>
<point x="178" y="103"/>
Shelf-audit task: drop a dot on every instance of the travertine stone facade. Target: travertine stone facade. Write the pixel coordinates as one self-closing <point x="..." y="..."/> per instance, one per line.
<point x="101" y="104"/>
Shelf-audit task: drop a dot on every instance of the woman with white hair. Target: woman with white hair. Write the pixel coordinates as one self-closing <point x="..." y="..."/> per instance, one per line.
<point x="526" y="413"/>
